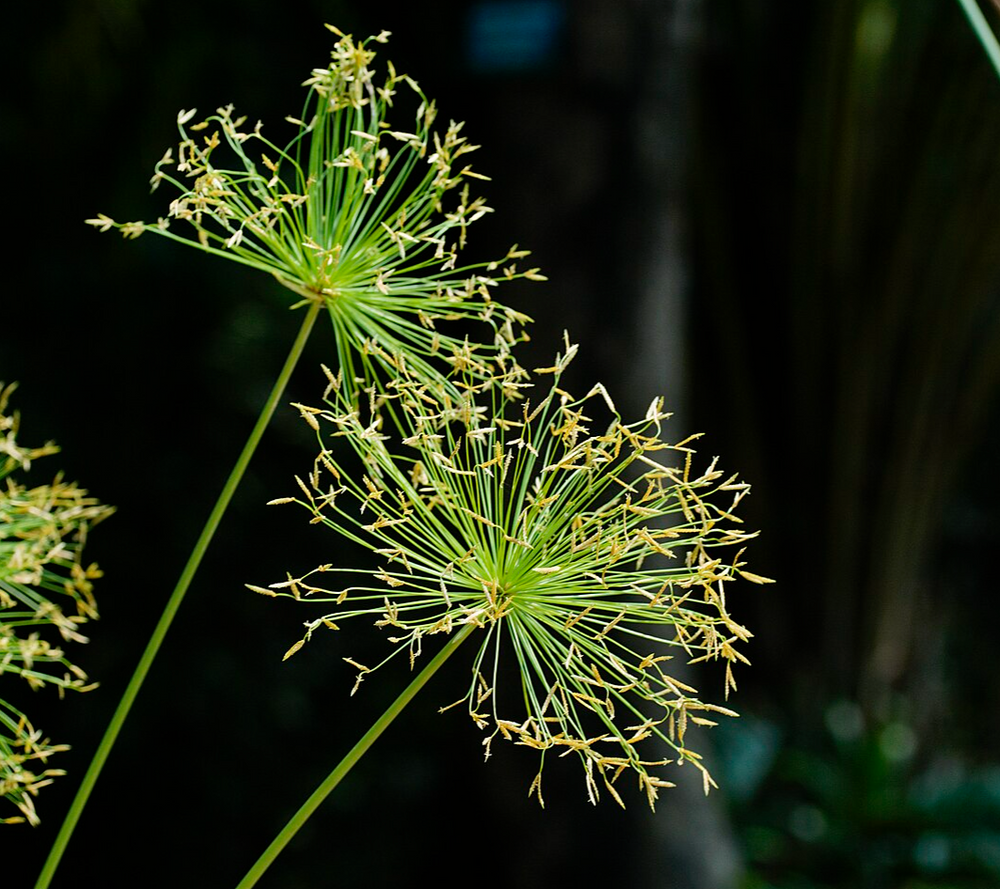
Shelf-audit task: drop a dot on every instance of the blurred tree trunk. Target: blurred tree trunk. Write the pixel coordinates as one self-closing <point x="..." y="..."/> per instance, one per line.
<point x="691" y="835"/>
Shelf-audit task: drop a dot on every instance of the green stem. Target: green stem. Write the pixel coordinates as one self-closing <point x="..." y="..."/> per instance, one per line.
<point x="347" y="763"/>
<point x="983" y="32"/>
<point x="153" y="646"/>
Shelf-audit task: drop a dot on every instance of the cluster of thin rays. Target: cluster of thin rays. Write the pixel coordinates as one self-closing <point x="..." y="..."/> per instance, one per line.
<point x="363" y="217"/>
<point x="591" y="556"/>
<point x="45" y="590"/>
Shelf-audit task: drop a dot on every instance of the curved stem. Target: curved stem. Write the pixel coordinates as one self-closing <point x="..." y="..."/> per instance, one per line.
<point x="983" y="32"/>
<point x="345" y="765"/>
<point x="153" y="646"/>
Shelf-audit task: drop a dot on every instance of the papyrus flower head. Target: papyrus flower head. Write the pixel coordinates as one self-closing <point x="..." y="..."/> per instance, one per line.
<point x="353" y="211"/>
<point x="45" y="597"/>
<point x="588" y="551"/>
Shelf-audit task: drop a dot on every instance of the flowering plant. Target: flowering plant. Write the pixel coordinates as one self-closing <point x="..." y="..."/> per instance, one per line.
<point x="366" y="219"/>
<point x="592" y="554"/>
<point x="497" y="506"/>
<point x="44" y="586"/>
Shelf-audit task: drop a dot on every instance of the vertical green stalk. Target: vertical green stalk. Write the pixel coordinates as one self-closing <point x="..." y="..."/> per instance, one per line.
<point x="156" y="640"/>
<point x="983" y="32"/>
<point x="347" y="763"/>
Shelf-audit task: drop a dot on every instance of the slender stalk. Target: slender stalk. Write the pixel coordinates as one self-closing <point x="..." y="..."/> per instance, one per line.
<point x="347" y="763"/>
<point x="983" y="31"/>
<point x="153" y="646"/>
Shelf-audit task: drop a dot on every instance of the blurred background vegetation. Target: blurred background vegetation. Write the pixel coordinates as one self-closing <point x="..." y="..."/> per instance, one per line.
<point x="784" y="217"/>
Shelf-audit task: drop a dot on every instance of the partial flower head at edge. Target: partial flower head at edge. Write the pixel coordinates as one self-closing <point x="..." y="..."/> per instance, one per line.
<point x="46" y="595"/>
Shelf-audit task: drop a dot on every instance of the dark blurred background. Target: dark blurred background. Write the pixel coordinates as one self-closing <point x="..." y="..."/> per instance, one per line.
<point x="783" y="217"/>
